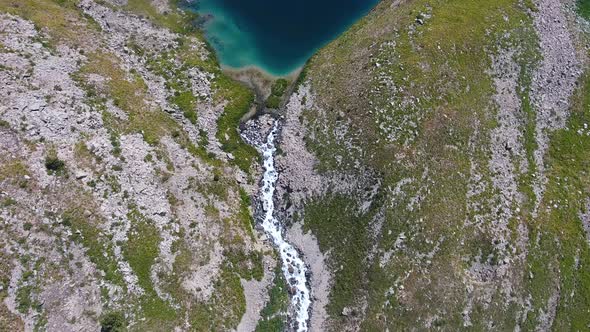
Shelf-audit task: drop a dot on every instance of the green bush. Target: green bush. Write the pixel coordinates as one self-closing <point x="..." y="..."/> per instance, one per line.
<point x="54" y="165"/>
<point x="113" y="322"/>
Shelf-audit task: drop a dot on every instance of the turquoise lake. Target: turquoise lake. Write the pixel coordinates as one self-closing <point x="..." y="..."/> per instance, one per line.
<point x="276" y="36"/>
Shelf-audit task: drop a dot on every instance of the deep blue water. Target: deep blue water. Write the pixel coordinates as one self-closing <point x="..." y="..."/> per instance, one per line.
<point x="277" y="36"/>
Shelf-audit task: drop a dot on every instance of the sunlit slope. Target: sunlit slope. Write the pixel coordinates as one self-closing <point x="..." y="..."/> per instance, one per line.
<point x="449" y="143"/>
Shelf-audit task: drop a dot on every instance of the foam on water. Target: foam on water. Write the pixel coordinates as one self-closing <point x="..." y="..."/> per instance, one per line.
<point x="293" y="266"/>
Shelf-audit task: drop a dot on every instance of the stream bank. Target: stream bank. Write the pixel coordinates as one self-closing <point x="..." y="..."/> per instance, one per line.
<point x="295" y="270"/>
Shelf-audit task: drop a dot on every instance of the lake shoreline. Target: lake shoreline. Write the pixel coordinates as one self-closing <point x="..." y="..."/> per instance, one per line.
<point x="260" y="82"/>
<point x="277" y="38"/>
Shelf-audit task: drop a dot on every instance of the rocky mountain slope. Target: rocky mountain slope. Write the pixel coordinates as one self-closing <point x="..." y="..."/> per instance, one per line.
<point x="432" y="171"/>
<point x="124" y="187"/>
<point x="446" y="168"/>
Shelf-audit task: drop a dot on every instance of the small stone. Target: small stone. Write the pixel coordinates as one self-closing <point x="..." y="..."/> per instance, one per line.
<point x="81" y="175"/>
<point x="347" y="311"/>
<point x="35" y="106"/>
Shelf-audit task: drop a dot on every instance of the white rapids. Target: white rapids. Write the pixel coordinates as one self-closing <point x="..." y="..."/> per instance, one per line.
<point x="293" y="266"/>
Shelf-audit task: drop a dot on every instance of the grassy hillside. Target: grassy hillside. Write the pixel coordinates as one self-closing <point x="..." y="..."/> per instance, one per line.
<point x="432" y="101"/>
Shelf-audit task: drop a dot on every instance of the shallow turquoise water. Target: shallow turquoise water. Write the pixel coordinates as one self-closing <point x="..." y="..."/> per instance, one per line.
<point x="277" y="36"/>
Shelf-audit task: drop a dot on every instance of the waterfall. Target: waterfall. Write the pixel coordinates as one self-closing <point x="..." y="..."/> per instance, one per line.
<point x="293" y="266"/>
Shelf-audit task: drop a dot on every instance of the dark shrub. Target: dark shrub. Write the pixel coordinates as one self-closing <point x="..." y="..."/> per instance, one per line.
<point x="113" y="322"/>
<point x="54" y="165"/>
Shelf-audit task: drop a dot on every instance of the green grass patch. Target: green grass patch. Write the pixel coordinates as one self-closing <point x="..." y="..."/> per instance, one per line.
<point x="277" y="91"/>
<point x="274" y="314"/>
<point x="128" y="93"/>
<point x="61" y="19"/>
<point x="583" y="8"/>
<point x="238" y="99"/>
<point x="6" y="266"/>
<point x="226" y="307"/>
<point x="560" y="253"/>
<point x="85" y="231"/>
<point x="187" y="103"/>
<point x="245" y="215"/>
<point x="273" y="102"/>
<point x="247" y="265"/>
<point x="182" y="22"/>
<point x="14" y="172"/>
<point x="177" y="81"/>
<point x="141" y="251"/>
<point x="527" y="57"/>
<point x="341" y="230"/>
<point x="23" y="299"/>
